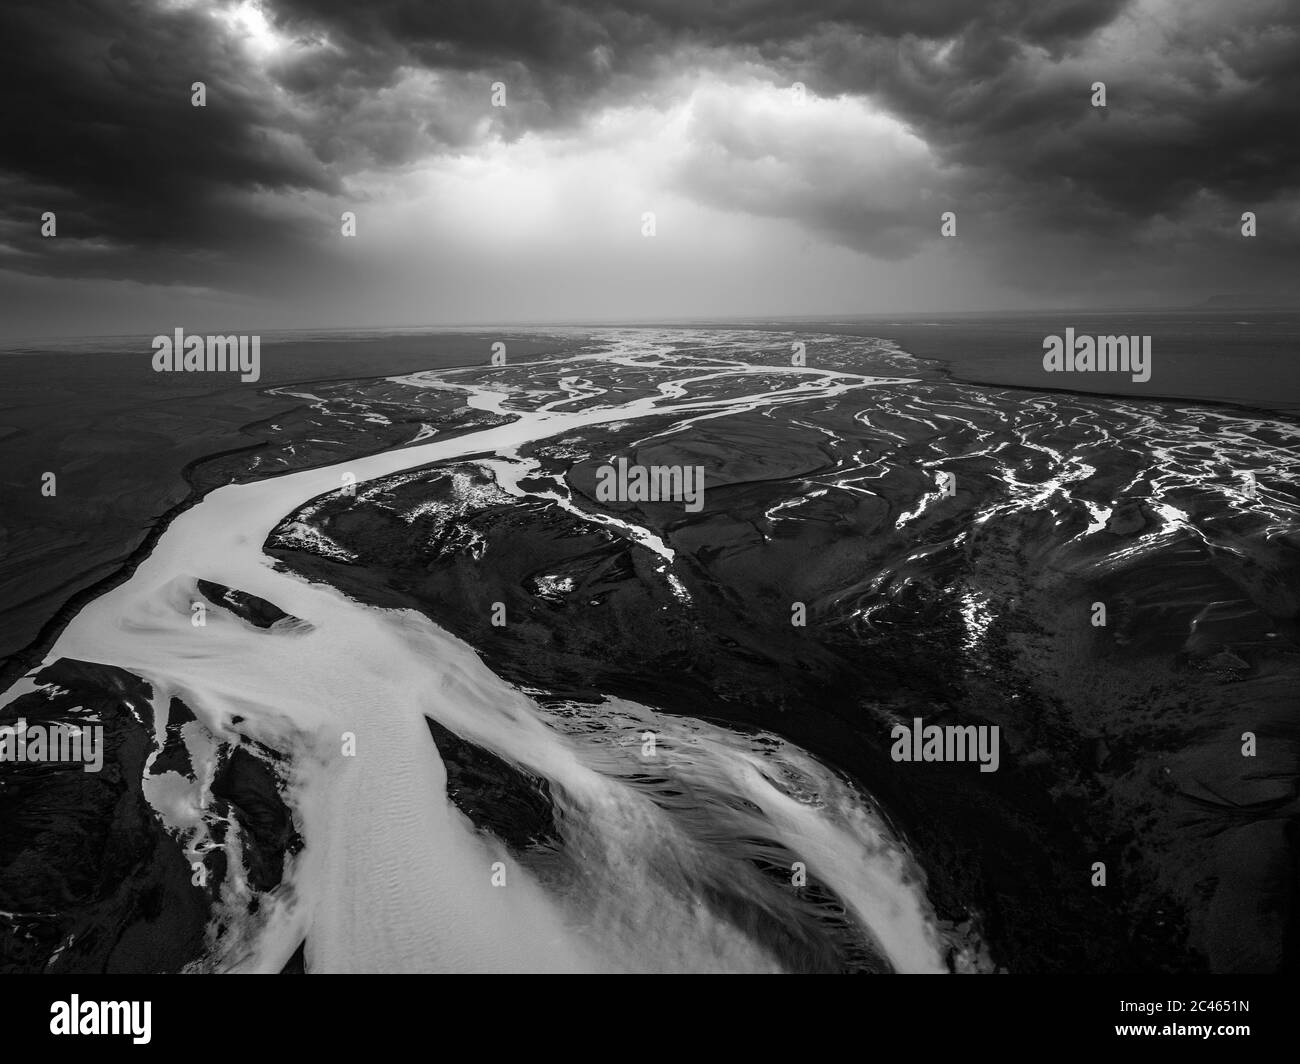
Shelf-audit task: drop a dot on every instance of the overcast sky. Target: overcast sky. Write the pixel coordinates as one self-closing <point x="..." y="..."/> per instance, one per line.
<point x="228" y="216"/>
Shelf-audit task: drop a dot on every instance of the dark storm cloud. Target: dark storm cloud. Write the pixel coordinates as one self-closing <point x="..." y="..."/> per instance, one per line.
<point x="98" y="127"/>
<point x="1214" y="110"/>
<point x="555" y="35"/>
<point x="985" y="85"/>
<point x="1202" y="102"/>
<point x="579" y="55"/>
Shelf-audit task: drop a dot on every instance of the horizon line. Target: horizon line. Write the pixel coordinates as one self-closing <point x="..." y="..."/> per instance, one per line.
<point x="581" y="323"/>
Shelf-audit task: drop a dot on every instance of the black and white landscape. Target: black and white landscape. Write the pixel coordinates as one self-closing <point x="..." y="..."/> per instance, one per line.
<point x="650" y="487"/>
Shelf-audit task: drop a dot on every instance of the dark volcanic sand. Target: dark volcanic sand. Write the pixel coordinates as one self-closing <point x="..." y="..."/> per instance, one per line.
<point x="1244" y="357"/>
<point x="1120" y="744"/>
<point x="130" y="446"/>
<point x="91" y="880"/>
